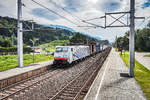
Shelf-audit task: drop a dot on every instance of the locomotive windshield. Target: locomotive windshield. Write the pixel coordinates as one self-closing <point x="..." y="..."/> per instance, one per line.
<point x="61" y="49"/>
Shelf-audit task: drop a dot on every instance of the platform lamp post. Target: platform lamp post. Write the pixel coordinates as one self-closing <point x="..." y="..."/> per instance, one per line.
<point x="33" y="49"/>
<point x="33" y="44"/>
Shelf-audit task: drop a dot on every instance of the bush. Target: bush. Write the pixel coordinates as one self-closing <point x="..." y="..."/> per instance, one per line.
<point x="14" y="49"/>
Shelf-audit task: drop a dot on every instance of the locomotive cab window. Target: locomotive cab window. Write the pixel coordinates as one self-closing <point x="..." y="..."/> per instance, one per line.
<point x="72" y="49"/>
<point x="65" y="49"/>
<point x="61" y="49"/>
<point x="58" y="49"/>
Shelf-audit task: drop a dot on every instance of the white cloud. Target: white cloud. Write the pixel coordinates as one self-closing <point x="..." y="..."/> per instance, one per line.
<point x="84" y="9"/>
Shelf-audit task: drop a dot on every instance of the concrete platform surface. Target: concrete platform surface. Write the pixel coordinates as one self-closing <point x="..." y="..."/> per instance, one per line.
<point x="17" y="71"/>
<point x="110" y="83"/>
<point x="145" y="61"/>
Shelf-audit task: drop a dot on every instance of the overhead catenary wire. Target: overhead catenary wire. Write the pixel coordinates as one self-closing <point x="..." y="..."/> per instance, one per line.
<point x="94" y="18"/>
<point x="84" y="21"/>
<point x="89" y="27"/>
<point x="72" y="16"/>
<point x="93" y="24"/>
<point x="57" y="29"/>
<point x="8" y="27"/>
<point x="66" y="11"/>
<point x="144" y="20"/>
<point x="54" y="12"/>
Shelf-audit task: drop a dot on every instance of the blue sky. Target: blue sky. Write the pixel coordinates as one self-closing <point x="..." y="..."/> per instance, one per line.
<point x="42" y="13"/>
<point x="146" y="4"/>
<point x="83" y="9"/>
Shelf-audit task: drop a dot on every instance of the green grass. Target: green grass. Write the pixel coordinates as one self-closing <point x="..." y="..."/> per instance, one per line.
<point x="11" y="61"/>
<point x="142" y="75"/>
<point x="51" y="46"/>
<point x="147" y="55"/>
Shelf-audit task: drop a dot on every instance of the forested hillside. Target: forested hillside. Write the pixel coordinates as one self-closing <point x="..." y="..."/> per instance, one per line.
<point x="8" y="33"/>
<point x="84" y="39"/>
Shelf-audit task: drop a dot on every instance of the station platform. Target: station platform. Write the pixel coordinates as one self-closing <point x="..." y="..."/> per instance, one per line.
<point x="14" y="75"/>
<point x="112" y="82"/>
<point x="17" y="71"/>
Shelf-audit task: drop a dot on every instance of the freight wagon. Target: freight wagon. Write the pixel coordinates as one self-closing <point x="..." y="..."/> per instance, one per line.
<point x="69" y="54"/>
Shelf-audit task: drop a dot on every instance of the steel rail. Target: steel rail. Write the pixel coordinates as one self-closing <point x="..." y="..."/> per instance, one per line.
<point x="30" y="85"/>
<point x="92" y="71"/>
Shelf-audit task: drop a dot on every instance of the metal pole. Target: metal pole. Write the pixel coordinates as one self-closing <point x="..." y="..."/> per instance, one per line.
<point x="116" y="44"/>
<point x="19" y="35"/>
<point x="131" y="45"/>
<point x="33" y="50"/>
<point x="12" y="39"/>
<point x="33" y="53"/>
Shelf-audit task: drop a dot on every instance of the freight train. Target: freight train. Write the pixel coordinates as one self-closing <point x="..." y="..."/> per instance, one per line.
<point x="68" y="54"/>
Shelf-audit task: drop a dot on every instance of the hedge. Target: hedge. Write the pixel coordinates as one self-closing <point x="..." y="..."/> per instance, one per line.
<point x="14" y="49"/>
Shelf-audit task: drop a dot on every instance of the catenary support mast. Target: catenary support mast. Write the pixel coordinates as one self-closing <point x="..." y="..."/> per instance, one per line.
<point x="20" y="35"/>
<point x="131" y="40"/>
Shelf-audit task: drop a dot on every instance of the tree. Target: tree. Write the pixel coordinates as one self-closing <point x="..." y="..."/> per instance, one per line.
<point x="45" y="34"/>
<point x="142" y="39"/>
<point x="5" y="42"/>
<point x="78" y="38"/>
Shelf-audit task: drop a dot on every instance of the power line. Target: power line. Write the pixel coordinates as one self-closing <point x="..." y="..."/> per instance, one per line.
<point x="93" y="24"/>
<point x="48" y="29"/>
<point x="144" y="21"/>
<point x="84" y="21"/>
<point x="94" y="18"/>
<point x="66" y="10"/>
<point x="8" y="27"/>
<point x="54" y="12"/>
<point x="141" y="23"/>
<point x="147" y="17"/>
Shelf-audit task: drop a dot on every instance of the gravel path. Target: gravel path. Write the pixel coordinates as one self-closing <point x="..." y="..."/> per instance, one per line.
<point x="145" y="61"/>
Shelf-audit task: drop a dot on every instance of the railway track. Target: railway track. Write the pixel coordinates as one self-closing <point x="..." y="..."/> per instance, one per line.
<point x="78" y="87"/>
<point x="8" y="92"/>
<point x="15" y="89"/>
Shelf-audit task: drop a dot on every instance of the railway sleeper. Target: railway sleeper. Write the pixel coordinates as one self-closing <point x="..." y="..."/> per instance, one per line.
<point x="13" y="89"/>
<point x="73" y="86"/>
<point x="3" y="94"/>
<point x="22" y="85"/>
<point x="9" y="92"/>
<point x="68" y="94"/>
<point x="72" y="89"/>
<point x="64" y="98"/>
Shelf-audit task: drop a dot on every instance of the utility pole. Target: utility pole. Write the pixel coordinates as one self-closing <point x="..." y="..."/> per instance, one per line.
<point x="19" y="35"/>
<point x="131" y="40"/>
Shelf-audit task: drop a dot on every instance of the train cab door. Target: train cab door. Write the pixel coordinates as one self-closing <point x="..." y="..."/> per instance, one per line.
<point x="92" y="48"/>
<point x="71" y="54"/>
